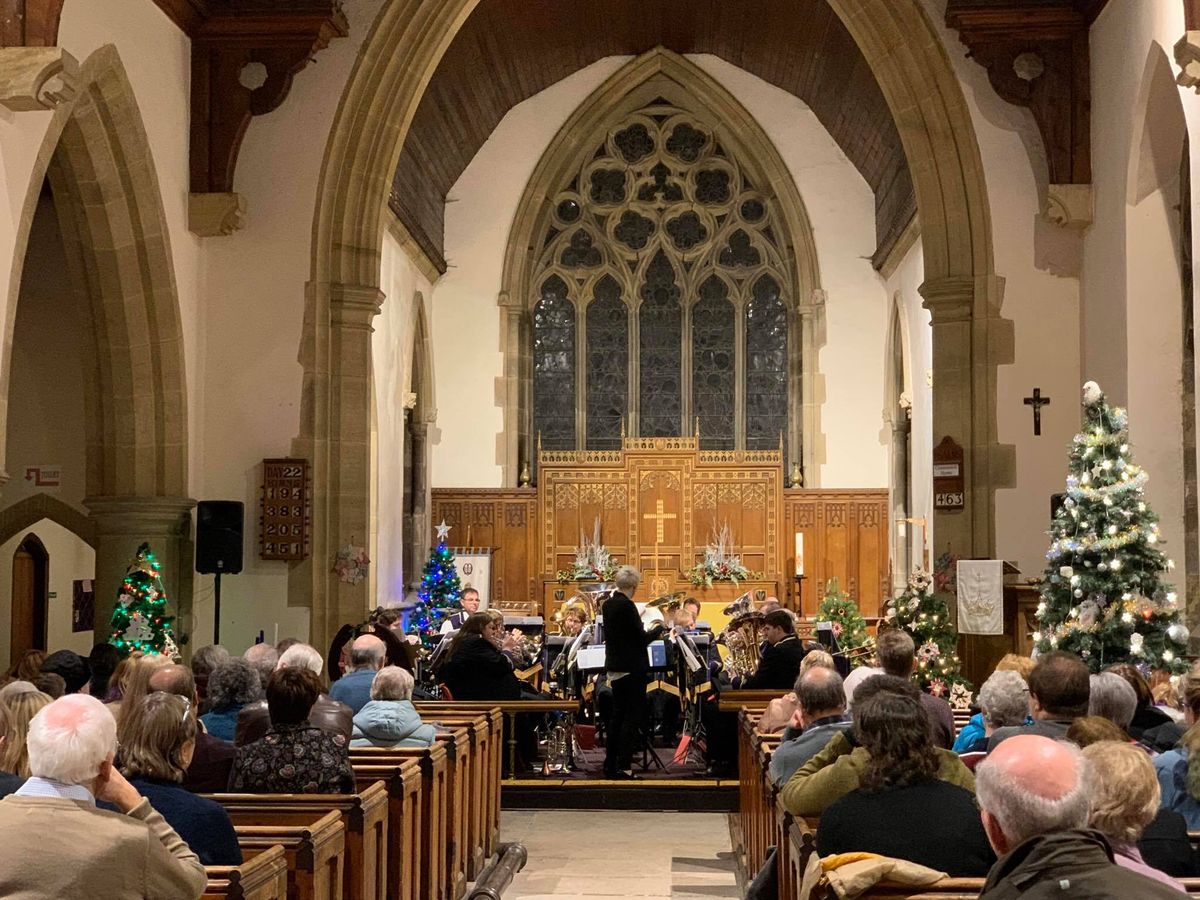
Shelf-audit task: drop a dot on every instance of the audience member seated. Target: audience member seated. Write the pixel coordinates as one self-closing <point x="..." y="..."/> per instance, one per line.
<point x="779" y="665"/>
<point x="71" y="666"/>
<point x="157" y="744"/>
<point x="1003" y="702"/>
<point x="900" y="784"/>
<point x="8" y="781"/>
<point x="389" y="718"/>
<point x="1125" y="798"/>
<point x="263" y="658"/>
<point x="136" y="683"/>
<point x="327" y="714"/>
<point x="294" y="756"/>
<point x="475" y="668"/>
<point x="897" y="654"/>
<point x="212" y="759"/>
<point x="1150" y="724"/>
<point x="1058" y="695"/>
<point x="50" y="684"/>
<point x="781" y="710"/>
<point x="366" y="658"/>
<point x="102" y="663"/>
<point x="857" y="677"/>
<point x="838" y="768"/>
<point x="57" y="844"/>
<point x="231" y="685"/>
<point x="1179" y="769"/>
<point x="21" y="708"/>
<point x="974" y="729"/>
<point x="820" y="714"/>
<point x="1113" y="698"/>
<point x="1034" y="795"/>
<point x="204" y="663"/>
<point x="26" y="667"/>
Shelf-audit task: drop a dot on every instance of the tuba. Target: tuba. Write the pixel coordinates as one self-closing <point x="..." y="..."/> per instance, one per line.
<point x="741" y="637"/>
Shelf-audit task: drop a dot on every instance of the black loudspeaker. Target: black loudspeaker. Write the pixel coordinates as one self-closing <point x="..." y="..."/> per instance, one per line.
<point x="1056" y="504"/>
<point x="219" y="536"/>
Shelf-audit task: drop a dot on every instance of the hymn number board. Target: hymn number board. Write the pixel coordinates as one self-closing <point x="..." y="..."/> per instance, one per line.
<point x="283" y="532"/>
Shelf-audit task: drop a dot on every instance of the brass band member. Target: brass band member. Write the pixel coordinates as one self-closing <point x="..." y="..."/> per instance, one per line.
<point x="469" y="601"/>
<point x="573" y="620"/>
<point x="780" y="663"/>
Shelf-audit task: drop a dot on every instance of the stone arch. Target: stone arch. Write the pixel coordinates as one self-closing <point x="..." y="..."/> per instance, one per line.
<point x="660" y="73"/>
<point x="1156" y="311"/>
<point x="97" y="158"/>
<point x="32" y="510"/>
<point x="406" y="43"/>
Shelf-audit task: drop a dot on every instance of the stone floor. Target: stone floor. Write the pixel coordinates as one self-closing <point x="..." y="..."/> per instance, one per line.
<point x="600" y="853"/>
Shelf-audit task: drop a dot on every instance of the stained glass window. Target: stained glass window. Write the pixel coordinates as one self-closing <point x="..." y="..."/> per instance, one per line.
<point x="554" y="366"/>
<point x="713" y="301"/>
<point x="607" y="366"/>
<point x="713" y="365"/>
<point x="660" y="322"/>
<point x="766" y="365"/>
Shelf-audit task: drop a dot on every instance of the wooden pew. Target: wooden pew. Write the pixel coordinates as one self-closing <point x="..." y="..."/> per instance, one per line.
<point x="315" y="854"/>
<point x="263" y="877"/>
<point x="365" y="817"/>
<point x="456" y="744"/>
<point x="406" y="816"/>
<point x="510" y="708"/>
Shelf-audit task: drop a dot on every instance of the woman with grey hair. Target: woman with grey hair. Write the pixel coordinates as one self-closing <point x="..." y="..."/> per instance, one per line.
<point x="1003" y="701"/>
<point x="1112" y="697"/>
<point x="389" y="718"/>
<point x="231" y="686"/>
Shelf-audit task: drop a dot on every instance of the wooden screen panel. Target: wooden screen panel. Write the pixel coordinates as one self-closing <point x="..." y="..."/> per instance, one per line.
<point x="506" y="521"/>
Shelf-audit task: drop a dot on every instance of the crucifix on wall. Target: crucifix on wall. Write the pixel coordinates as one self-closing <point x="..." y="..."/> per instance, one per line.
<point x="1037" y="401"/>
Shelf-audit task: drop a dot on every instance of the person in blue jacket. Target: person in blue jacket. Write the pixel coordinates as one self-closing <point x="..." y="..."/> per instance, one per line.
<point x="389" y="718"/>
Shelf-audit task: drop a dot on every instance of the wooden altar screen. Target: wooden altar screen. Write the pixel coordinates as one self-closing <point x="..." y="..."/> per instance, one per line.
<point x="535" y="531"/>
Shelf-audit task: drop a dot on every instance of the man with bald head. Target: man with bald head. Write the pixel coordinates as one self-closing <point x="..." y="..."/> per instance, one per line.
<point x="212" y="760"/>
<point x="821" y="714"/>
<point x="1033" y="794"/>
<point x="367" y="655"/>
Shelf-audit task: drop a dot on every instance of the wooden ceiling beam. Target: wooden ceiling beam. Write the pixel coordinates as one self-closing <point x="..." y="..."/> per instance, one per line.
<point x="29" y="23"/>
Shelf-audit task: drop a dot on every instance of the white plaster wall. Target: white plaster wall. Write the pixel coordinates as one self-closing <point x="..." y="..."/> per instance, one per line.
<point x="392" y="350"/>
<point x="1044" y="309"/>
<point x="479" y="216"/>
<point x="70" y="560"/>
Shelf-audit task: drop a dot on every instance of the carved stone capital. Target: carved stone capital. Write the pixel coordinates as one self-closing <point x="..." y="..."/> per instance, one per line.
<point x="215" y="215"/>
<point x="139" y="515"/>
<point x="949" y="299"/>
<point x="354" y="305"/>
<point x="1187" y="56"/>
<point x="1069" y="205"/>
<point x="36" y="78"/>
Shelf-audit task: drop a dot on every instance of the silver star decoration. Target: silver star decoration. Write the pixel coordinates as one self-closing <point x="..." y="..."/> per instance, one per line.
<point x="1097" y="470"/>
<point x="442" y="530"/>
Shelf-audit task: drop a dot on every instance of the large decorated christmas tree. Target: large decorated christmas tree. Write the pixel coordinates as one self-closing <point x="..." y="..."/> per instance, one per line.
<point x="1103" y="593"/>
<point x="925" y="616"/>
<point x="849" y="626"/>
<point x="139" y="620"/>
<point x="439" y="593"/>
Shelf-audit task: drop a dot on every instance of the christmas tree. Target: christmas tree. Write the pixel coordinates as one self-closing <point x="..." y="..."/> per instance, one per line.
<point x="139" y="620"/>
<point x="1103" y="596"/>
<point x="925" y="616"/>
<point x="439" y="591"/>
<point x="849" y="626"/>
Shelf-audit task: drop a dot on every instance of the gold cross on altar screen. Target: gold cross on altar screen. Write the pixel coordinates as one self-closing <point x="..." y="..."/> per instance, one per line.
<point x="661" y="517"/>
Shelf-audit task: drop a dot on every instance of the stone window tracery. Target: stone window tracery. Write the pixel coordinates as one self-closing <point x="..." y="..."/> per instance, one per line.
<point x="664" y="251"/>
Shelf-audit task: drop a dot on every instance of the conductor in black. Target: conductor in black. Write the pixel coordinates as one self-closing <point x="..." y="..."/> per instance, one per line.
<point x="625" y="641"/>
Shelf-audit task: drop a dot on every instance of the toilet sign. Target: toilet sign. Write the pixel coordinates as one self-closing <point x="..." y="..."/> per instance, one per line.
<point x="949" y="484"/>
<point x="44" y="476"/>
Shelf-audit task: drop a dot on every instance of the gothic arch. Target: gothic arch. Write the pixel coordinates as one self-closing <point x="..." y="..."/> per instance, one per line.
<point x="31" y="510"/>
<point x="658" y="75"/>
<point x="406" y="43"/>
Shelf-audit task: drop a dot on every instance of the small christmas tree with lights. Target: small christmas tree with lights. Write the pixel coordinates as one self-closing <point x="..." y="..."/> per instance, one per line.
<point x="1103" y="593"/>
<point x="439" y="593"/>
<point x="849" y="626"/>
<point x="925" y="616"/>
<point x="139" y="620"/>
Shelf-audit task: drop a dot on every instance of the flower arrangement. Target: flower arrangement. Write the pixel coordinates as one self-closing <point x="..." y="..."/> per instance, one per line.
<point x="720" y="562"/>
<point x="593" y="561"/>
<point x="351" y="564"/>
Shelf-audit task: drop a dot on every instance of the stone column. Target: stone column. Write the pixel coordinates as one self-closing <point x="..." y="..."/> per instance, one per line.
<point x="122" y="524"/>
<point x="807" y="441"/>
<point x="901" y="426"/>
<point x="969" y="341"/>
<point x="513" y="393"/>
<point x="419" y="529"/>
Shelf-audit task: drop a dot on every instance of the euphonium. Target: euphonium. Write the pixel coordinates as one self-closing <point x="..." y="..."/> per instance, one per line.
<point x="741" y="638"/>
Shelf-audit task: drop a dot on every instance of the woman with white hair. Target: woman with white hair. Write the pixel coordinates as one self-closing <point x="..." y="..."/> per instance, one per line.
<point x="389" y="718"/>
<point x="1003" y="701"/>
<point x="1125" y="797"/>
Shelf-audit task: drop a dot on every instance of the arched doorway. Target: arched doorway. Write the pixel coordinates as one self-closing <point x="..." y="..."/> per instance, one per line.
<point x="30" y="597"/>
<point x="407" y="42"/>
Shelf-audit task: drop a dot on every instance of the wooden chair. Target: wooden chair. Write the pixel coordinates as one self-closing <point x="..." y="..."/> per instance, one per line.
<point x="315" y="854"/>
<point x="365" y="818"/>
<point x="263" y="877"/>
<point x="406" y="823"/>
